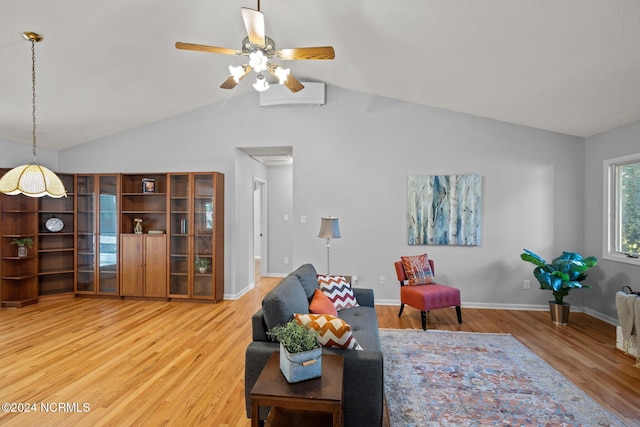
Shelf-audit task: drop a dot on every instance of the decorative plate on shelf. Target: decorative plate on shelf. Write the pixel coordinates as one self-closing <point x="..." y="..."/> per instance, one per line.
<point x="54" y="224"/>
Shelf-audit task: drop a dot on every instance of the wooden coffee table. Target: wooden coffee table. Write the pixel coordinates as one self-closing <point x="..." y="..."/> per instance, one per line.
<point x="318" y="401"/>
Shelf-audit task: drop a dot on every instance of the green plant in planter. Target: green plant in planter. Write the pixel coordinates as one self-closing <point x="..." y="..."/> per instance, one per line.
<point x="563" y="274"/>
<point x="27" y="241"/>
<point x="295" y="337"/>
<point x="202" y="263"/>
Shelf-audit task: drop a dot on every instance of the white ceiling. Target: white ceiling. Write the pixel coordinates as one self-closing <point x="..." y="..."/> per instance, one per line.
<point x="570" y="66"/>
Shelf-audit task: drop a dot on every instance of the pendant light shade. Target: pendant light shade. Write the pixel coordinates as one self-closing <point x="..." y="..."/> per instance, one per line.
<point x="32" y="180"/>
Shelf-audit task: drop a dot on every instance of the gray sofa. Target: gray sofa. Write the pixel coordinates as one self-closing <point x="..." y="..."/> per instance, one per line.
<point x="363" y="370"/>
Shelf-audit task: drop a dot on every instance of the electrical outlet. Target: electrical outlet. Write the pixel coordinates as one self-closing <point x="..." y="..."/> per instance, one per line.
<point x="527" y="284"/>
<point x="286" y="260"/>
<point x="303" y="219"/>
<point x="382" y="280"/>
<point x="354" y="280"/>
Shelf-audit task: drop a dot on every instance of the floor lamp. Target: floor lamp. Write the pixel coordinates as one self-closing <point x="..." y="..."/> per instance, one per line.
<point x="329" y="229"/>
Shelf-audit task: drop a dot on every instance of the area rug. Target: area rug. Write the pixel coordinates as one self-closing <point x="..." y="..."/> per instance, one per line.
<point x="439" y="378"/>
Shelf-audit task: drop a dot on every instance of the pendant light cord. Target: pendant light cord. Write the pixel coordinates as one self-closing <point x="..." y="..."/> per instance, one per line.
<point x="33" y="97"/>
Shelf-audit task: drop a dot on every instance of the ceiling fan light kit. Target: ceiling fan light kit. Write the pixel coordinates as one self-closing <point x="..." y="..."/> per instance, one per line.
<point x="260" y="50"/>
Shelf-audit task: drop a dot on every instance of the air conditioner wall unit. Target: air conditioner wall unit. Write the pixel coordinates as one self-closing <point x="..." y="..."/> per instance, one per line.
<point x="313" y="95"/>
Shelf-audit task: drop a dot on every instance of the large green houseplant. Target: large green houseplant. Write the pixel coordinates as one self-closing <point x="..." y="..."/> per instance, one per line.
<point x="300" y="352"/>
<point x="563" y="274"/>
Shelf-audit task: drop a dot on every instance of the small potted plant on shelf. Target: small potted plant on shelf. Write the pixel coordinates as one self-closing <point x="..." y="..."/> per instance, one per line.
<point x="563" y="274"/>
<point x="21" y="244"/>
<point x="300" y="352"/>
<point x="203" y="264"/>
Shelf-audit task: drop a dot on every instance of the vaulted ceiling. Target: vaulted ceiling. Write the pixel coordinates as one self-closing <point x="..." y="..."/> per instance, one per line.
<point x="570" y="66"/>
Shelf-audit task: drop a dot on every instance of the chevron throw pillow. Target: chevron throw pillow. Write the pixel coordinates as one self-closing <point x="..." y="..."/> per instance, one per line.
<point x="338" y="290"/>
<point x="332" y="331"/>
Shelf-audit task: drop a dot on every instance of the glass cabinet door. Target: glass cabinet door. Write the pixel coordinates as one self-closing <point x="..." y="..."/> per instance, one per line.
<point x="108" y="235"/>
<point x="85" y="234"/>
<point x="203" y="235"/>
<point x="180" y="229"/>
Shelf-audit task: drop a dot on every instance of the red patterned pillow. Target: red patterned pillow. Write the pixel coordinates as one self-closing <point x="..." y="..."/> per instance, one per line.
<point x="338" y="290"/>
<point x="321" y="304"/>
<point x="417" y="269"/>
<point x="332" y="331"/>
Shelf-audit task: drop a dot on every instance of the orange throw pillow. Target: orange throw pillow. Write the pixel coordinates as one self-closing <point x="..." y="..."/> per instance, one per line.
<point x="321" y="304"/>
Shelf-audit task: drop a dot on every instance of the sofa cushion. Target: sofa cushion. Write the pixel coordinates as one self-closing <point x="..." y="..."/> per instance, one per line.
<point x="338" y="290"/>
<point x="417" y="269"/>
<point x="321" y="304"/>
<point x="332" y="331"/>
<point x="306" y="274"/>
<point x="283" y="301"/>
<point x="364" y="326"/>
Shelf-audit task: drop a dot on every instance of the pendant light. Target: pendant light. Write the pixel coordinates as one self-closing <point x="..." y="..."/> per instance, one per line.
<point x="32" y="180"/>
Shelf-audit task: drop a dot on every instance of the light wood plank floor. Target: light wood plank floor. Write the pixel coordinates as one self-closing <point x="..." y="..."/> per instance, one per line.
<point x="154" y="363"/>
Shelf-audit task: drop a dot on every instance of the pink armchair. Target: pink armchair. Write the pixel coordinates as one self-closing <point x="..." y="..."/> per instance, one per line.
<point x="426" y="297"/>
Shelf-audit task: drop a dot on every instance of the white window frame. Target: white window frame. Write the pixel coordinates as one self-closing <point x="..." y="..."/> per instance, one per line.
<point x="609" y="217"/>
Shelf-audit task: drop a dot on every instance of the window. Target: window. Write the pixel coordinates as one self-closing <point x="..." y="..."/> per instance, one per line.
<point x="622" y="211"/>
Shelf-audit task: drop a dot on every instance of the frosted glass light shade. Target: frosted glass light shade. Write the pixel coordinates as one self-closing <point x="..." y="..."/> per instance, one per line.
<point x="32" y="180"/>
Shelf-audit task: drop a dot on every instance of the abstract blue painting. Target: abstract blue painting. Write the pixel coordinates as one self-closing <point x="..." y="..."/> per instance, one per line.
<point x="444" y="210"/>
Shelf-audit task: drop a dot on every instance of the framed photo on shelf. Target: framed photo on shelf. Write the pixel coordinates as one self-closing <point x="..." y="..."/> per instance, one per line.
<point x="148" y="185"/>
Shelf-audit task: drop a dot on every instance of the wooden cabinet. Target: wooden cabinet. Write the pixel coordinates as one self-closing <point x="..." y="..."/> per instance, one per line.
<point x="95" y="249"/>
<point x="196" y="235"/>
<point x="143" y="261"/>
<point x="143" y="256"/>
<point x="97" y="234"/>
<point x="56" y="246"/>
<point x="18" y="274"/>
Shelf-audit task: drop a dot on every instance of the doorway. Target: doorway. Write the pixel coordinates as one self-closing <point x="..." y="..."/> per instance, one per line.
<point x="260" y="261"/>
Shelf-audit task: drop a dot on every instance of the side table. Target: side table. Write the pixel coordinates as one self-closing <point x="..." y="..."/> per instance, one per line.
<point x="317" y="401"/>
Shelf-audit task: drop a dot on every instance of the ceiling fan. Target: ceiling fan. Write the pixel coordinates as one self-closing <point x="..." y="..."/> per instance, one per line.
<point x="260" y="49"/>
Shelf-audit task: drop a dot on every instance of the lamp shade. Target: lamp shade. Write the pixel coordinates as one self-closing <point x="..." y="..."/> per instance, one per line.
<point x="32" y="180"/>
<point x="329" y="228"/>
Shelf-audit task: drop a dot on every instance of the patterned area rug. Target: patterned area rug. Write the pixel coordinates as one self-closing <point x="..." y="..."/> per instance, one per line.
<point x="439" y="378"/>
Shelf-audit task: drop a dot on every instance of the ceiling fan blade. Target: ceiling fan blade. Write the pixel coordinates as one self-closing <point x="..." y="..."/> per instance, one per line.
<point x="205" y="48"/>
<point x="231" y="82"/>
<point x="254" y="23"/>
<point x="293" y="84"/>
<point x="320" y="52"/>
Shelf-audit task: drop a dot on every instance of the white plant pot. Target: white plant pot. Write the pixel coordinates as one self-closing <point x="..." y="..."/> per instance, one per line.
<point x="298" y="367"/>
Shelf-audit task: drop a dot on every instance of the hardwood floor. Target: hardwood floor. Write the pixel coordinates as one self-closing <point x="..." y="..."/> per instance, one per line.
<point x="157" y="363"/>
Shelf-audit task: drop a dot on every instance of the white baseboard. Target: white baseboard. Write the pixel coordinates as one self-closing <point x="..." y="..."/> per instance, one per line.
<point x="620" y="343"/>
<point x="532" y="307"/>
<point x="240" y="293"/>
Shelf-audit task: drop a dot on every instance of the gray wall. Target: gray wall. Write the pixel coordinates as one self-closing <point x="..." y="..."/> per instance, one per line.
<point x="280" y="230"/>
<point x="14" y="154"/>
<point x="609" y="276"/>
<point x="352" y="157"/>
